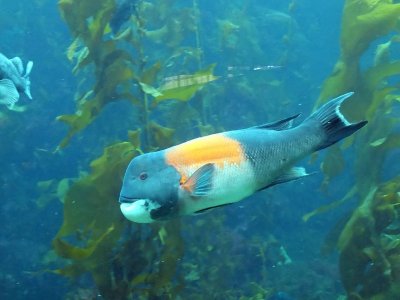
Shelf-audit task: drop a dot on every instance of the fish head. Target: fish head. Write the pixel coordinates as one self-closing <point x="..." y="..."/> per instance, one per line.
<point x="150" y="189"/>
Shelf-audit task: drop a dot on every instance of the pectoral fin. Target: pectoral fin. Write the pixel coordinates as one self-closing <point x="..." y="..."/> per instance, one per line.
<point x="29" y="67"/>
<point x="8" y="93"/>
<point x="200" y="183"/>
<point x="290" y="175"/>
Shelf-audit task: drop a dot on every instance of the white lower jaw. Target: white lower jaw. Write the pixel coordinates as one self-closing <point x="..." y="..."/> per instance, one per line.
<point x="136" y="211"/>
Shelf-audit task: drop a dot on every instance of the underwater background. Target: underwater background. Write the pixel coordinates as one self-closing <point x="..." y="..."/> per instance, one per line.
<point x="113" y="79"/>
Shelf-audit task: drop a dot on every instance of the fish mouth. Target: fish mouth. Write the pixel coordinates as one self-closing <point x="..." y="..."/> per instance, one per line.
<point x="125" y="199"/>
<point x="136" y="210"/>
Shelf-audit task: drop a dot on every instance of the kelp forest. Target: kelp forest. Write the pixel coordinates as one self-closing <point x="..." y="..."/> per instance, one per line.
<point x="142" y="76"/>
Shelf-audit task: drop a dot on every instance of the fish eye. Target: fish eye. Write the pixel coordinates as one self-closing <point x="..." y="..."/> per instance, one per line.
<point x="143" y="176"/>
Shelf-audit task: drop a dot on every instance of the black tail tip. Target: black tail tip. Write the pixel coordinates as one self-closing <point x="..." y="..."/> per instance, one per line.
<point x="333" y="123"/>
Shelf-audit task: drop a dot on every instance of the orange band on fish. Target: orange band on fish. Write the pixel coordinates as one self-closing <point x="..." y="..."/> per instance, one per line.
<point x="215" y="148"/>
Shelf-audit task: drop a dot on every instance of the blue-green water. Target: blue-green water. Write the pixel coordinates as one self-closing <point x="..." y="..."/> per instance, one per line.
<point x="271" y="58"/>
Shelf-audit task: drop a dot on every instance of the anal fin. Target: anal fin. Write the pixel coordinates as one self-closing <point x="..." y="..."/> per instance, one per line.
<point x="290" y="175"/>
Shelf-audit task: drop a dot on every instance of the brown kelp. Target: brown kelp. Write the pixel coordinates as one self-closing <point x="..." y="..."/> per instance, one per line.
<point x="116" y="67"/>
<point x="123" y="258"/>
<point x="369" y="243"/>
<point x="95" y="238"/>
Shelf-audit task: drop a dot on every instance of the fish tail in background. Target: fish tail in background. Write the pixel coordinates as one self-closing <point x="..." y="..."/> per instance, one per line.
<point x="8" y="93"/>
<point x="333" y="124"/>
<point x="27" y="91"/>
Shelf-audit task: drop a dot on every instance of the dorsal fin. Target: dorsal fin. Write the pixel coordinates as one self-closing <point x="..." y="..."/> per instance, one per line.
<point x="278" y="125"/>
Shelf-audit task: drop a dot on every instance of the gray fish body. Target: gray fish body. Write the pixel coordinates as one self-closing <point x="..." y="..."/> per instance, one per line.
<point x="270" y="152"/>
<point x="13" y="81"/>
<point x="273" y="151"/>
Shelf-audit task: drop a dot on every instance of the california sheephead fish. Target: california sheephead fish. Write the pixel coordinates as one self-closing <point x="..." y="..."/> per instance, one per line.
<point x="224" y="168"/>
<point x="13" y="81"/>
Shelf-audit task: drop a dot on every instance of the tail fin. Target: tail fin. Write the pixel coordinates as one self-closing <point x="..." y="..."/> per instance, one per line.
<point x="334" y="124"/>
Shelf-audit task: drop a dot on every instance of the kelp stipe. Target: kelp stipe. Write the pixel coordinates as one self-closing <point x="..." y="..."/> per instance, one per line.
<point x="368" y="242"/>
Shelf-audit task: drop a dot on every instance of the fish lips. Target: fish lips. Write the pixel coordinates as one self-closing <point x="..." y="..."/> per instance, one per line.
<point x="125" y="199"/>
<point x="137" y="210"/>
